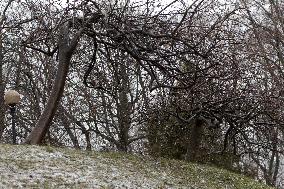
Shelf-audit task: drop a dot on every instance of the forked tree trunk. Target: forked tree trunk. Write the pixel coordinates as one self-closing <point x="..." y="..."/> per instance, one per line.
<point x="66" y="49"/>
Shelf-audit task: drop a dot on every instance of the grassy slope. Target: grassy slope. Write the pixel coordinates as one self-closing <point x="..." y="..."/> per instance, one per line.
<point x="46" y="167"/>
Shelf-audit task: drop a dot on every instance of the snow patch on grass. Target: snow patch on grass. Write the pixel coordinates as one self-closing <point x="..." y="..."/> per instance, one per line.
<point x="24" y="166"/>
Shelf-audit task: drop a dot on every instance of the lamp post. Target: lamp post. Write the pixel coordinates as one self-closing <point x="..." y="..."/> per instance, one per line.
<point x="12" y="98"/>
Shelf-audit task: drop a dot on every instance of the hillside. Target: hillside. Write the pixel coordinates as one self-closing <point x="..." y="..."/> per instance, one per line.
<point x="46" y="167"/>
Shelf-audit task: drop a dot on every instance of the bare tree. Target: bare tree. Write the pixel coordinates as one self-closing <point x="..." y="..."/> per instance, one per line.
<point x="65" y="51"/>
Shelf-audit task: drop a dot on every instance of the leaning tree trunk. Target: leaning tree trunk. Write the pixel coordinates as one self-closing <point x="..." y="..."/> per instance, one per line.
<point x="65" y="50"/>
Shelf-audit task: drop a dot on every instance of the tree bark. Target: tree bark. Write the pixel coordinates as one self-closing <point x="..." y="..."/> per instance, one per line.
<point x="195" y="140"/>
<point x="123" y="111"/>
<point x="65" y="50"/>
<point x="2" y="89"/>
<point x="66" y="124"/>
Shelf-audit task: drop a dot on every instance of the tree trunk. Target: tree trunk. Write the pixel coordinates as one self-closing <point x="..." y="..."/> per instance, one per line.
<point x="195" y="140"/>
<point x="123" y="110"/>
<point x="2" y="89"/>
<point x="66" y="50"/>
<point x="82" y="127"/>
<point x="66" y="125"/>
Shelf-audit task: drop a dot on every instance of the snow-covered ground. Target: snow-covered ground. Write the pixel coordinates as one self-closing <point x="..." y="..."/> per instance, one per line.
<point x="24" y="166"/>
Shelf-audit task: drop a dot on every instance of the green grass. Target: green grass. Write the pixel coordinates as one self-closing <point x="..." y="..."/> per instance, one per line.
<point x="48" y="167"/>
